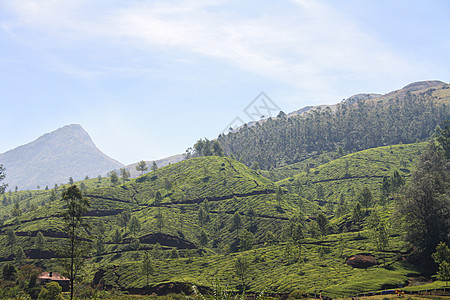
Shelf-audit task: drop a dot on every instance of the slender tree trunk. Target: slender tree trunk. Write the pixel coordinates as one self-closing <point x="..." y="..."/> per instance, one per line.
<point x="72" y="246"/>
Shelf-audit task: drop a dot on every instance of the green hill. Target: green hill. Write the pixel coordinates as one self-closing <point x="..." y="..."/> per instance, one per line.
<point x="222" y="188"/>
<point x="348" y="175"/>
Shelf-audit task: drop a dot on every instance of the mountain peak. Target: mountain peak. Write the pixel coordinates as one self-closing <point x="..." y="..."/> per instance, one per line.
<point x="421" y="85"/>
<point x="54" y="157"/>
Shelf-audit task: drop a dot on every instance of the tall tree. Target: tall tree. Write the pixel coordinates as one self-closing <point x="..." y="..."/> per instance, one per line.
<point x="135" y="225"/>
<point x="425" y="206"/>
<point x="324" y="225"/>
<point x="113" y="177"/>
<point x="154" y="166"/>
<point x="11" y="239"/>
<point x="241" y="267"/>
<point x="147" y="267"/>
<point x="237" y="223"/>
<point x="365" y="198"/>
<point x="442" y="258"/>
<point x="141" y="167"/>
<point x="75" y="247"/>
<point x="40" y="243"/>
<point x="159" y="220"/>
<point x="2" y="176"/>
<point x="203" y="217"/>
<point x="158" y="198"/>
<point x="202" y="239"/>
<point x="124" y="174"/>
<point x="123" y="218"/>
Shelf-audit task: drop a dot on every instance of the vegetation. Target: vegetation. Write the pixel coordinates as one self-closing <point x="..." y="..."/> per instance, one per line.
<point x="211" y="221"/>
<point x="349" y="127"/>
<point x="74" y="252"/>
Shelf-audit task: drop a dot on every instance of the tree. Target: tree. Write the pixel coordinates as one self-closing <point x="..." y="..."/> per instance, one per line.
<point x="279" y="196"/>
<point x="159" y="220"/>
<point x="135" y="225"/>
<point x="51" y="291"/>
<point x="217" y="149"/>
<point x="123" y="218"/>
<point x="365" y="198"/>
<point x="203" y="217"/>
<point x="425" y="205"/>
<point x="443" y="138"/>
<point x="2" y="176"/>
<point x="357" y="215"/>
<point x="20" y="256"/>
<point x="382" y="238"/>
<point x="9" y="272"/>
<point x="157" y="251"/>
<point x="154" y="166"/>
<point x="245" y="240"/>
<point x="324" y="225"/>
<point x="147" y="267"/>
<point x="442" y="258"/>
<point x="241" y="266"/>
<point x="158" y="198"/>
<point x="124" y="174"/>
<point x="141" y="167"/>
<point x="294" y="231"/>
<point x="251" y="217"/>
<point x="442" y="253"/>
<point x="202" y="239"/>
<point x="75" y="247"/>
<point x="237" y="223"/>
<point x="113" y="177"/>
<point x="40" y="243"/>
<point x="444" y="272"/>
<point x="11" y="239"/>
<point x="71" y="181"/>
<point x="16" y="210"/>
<point x="117" y="237"/>
<point x="99" y="245"/>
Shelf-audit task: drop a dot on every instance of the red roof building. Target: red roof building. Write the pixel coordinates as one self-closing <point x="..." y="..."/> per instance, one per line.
<point x="46" y="277"/>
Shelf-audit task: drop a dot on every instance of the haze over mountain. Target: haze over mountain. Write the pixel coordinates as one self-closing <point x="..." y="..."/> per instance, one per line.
<point x="54" y="157"/>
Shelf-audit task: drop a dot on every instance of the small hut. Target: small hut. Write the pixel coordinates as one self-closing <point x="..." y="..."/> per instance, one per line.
<point x="46" y="277"/>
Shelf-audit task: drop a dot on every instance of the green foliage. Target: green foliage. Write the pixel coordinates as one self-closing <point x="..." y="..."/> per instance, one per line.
<point x="352" y="127"/>
<point x="141" y="167"/>
<point x="9" y="272"/>
<point x="113" y="177"/>
<point x="75" y="249"/>
<point x="442" y="257"/>
<point x="442" y="253"/>
<point x="147" y="267"/>
<point x="2" y="176"/>
<point x="425" y="206"/>
<point x="135" y="225"/>
<point x="51" y="291"/>
<point x="241" y="268"/>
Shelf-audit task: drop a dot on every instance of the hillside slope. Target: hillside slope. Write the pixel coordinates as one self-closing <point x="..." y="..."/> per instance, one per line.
<point x="405" y="116"/>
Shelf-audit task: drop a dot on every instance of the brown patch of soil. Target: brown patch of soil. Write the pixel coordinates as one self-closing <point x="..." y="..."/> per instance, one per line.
<point x="361" y="261"/>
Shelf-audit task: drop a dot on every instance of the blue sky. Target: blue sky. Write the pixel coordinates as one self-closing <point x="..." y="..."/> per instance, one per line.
<point x="147" y="79"/>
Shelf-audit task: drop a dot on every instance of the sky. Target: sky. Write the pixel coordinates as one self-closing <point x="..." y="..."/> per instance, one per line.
<point x="146" y="79"/>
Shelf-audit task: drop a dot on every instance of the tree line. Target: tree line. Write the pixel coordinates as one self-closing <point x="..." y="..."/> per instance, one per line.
<point x="347" y="127"/>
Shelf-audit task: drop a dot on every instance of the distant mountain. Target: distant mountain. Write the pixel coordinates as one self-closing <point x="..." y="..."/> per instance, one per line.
<point x="159" y="163"/>
<point x="54" y="157"/>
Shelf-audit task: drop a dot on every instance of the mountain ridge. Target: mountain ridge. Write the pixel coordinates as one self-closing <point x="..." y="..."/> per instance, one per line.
<point x="54" y="157"/>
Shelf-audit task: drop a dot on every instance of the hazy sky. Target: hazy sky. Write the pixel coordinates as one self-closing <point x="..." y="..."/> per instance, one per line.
<point x="146" y="79"/>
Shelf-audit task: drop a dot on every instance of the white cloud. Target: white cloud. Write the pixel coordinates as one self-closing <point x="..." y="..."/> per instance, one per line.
<point x="312" y="48"/>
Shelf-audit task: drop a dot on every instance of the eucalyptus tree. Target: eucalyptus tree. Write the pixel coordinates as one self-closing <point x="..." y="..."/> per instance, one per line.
<point x="75" y="248"/>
